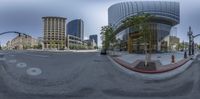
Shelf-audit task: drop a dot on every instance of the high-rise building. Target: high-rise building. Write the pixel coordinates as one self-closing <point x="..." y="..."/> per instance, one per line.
<point x="166" y="14"/>
<point x="76" y="28"/>
<point x="54" y="32"/>
<point x="95" y="38"/>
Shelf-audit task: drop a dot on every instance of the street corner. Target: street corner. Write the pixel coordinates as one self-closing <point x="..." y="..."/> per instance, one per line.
<point x="154" y="70"/>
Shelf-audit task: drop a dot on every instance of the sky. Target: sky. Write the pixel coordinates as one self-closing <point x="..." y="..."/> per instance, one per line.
<point x="26" y="16"/>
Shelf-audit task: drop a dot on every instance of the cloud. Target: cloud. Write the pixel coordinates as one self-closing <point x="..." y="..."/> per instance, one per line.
<point x="25" y="15"/>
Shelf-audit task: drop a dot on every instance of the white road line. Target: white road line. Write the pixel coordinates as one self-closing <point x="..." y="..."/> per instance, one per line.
<point x="12" y="61"/>
<point x="44" y="56"/>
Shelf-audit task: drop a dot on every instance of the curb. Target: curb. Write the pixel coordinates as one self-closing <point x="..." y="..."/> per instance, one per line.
<point x="151" y="76"/>
<point x="176" y="65"/>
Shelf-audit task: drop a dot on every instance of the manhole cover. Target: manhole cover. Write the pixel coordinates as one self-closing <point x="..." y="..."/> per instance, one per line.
<point x="21" y="65"/>
<point x="33" y="71"/>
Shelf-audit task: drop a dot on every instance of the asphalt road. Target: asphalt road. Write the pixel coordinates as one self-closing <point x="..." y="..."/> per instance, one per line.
<point x="85" y="75"/>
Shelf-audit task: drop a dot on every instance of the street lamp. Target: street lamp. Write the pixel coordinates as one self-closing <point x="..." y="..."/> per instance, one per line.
<point x="0" y="46"/>
<point x="190" y="40"/>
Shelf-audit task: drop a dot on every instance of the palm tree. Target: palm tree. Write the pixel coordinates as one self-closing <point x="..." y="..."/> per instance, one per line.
<point x="140" y="23"/>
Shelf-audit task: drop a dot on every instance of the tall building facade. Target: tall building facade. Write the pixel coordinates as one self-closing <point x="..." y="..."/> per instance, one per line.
<point x="54" y="32"/>
<point x="76" y="28"/>
<point x="165" y="16"/>
<point x="22" y="42"/>
<point x="95" y="38"/>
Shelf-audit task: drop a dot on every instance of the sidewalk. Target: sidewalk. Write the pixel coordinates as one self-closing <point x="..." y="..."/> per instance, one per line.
<point x="163" y="61"/>
<point x="95" y="50"/>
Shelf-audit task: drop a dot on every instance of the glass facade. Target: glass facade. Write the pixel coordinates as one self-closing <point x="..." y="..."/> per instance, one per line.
<point x="95" y="38"/>
<point x="166" y="15"/>
<point x="76" y="28"/>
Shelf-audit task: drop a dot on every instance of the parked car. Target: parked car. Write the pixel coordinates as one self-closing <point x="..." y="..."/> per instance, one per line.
<point x="103" y="52"/>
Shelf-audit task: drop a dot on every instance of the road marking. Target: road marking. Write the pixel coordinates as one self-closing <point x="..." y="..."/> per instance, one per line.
<point x="12" y="61"/>
<point x="12" y="55"/>
<point x="21" y="65"/>
<point x="44" y="56"/>
<point x="34" y="71"/>
<point x="2" y="59"/>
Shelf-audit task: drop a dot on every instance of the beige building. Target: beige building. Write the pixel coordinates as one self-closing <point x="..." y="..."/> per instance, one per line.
<point x="54" y="32"/>
<point x="73" y="42"/>
<point x="22" y="42"/>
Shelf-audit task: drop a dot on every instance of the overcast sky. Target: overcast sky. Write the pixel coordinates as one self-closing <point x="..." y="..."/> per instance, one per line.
<point x="25" y="15"/>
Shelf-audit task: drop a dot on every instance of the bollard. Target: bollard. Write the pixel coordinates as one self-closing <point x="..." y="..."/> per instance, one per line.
<point x="173" y="59"/>
<point x="185" y="54"/>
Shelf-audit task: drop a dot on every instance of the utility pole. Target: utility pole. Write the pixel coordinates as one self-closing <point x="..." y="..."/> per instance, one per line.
<point x="190" y="40"/>
<point x="0" y="46"/>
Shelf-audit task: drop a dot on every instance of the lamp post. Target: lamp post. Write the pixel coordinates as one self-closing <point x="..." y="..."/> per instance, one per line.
<point x="190" y="40"/>
<point x="0" y="46"/>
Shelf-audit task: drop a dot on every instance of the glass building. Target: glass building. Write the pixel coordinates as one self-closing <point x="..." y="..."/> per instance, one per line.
<point x="76" y="28"/>
<point x="95" y="38"/>
<point x="165" y="16"/>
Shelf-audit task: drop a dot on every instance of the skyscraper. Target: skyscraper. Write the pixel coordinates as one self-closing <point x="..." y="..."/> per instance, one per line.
<point x="165" y="15"/>
<point x="95" y="38"/>
<point x="76" y="28"/>
<point x="54" y="32"/>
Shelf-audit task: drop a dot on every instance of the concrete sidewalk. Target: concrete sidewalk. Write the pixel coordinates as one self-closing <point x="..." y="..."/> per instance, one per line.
<point x="95" y="50"/>
<point x="127" y="63"/>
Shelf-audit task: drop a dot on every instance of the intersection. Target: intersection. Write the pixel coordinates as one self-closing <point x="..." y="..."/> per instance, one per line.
<point x="61" y="75"/>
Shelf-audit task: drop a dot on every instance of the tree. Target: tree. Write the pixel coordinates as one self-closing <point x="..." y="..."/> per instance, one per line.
<point x="180" y="46"/>
<point x="107" y="36"/>
<point x="50" y="44"/>
<point x="39" y="46"/>
<point x="141" y="24"/>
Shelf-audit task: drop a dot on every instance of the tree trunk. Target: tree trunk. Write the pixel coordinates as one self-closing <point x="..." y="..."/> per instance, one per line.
<point x="146" y="57"/>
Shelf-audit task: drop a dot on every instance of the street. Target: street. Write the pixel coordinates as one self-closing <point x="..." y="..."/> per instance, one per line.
<point x="85" y="75"/>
